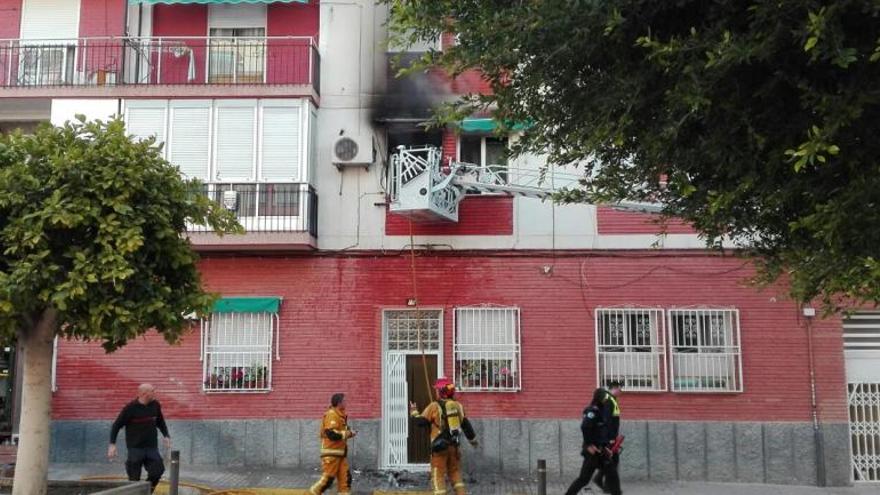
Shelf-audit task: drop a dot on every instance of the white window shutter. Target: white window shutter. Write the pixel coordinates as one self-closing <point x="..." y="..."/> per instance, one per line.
<point x="237" y="16"/>
<point x="235" y="142"/>
<point x="188" y="144"/>
<point x="281" y="154"/>
<point x="143" y="122"/>
<point x="50" y="19"/>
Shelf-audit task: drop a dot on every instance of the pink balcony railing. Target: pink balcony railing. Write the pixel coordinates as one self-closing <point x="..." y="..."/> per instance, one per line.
<point x="282" y="60"/>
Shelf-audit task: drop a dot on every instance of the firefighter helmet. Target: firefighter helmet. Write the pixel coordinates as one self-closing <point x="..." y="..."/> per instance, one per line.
<point x="445" y="387"/>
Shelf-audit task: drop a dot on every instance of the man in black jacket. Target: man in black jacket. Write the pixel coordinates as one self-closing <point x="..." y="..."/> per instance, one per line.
<point x="141" y="418"/>
<point x="595" y="448"/>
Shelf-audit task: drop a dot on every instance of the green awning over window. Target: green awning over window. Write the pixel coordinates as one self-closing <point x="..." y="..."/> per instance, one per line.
<point x="484" y="124"/>
<point x="218" y="1"/>
<point x="247" y="305"/>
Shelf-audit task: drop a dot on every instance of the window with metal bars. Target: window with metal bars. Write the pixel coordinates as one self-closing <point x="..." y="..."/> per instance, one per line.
<point x="487" y="349"/>
<point x="237" y="351"/>
<point x="705" y="350"/>
<point x="630" y="348"/>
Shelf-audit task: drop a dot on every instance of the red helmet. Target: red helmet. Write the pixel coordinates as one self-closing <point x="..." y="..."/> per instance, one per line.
<point x="445" y="387"/>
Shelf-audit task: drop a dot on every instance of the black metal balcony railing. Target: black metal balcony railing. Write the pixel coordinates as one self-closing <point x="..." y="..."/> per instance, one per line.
<point x="266" y="207"/>
<point x="272" y="60"/>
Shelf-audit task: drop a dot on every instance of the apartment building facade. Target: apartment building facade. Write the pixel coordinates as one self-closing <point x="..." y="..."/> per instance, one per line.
<point x="350" y="278"/>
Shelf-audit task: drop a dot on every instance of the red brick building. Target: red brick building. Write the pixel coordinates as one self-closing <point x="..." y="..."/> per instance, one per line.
<point x="286" y="112"/>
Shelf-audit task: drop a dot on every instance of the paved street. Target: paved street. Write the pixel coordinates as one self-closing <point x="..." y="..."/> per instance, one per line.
<point x="366" y="483"/>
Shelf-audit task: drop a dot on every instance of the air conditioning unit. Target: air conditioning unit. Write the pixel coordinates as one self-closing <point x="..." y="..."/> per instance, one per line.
<point x="354" y="151"/>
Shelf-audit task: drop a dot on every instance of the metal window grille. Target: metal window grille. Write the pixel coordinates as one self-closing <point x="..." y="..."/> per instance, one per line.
<point x="705" y="350"/>
<point x="404" y="327"/>
<point x="486" y="349"/>
<point x="237" y="351"/>
<point x="630" y="348"/>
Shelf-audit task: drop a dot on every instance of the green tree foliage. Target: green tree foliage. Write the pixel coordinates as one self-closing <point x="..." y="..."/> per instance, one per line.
<point x="757" y="121"/>
<point x="92" y="226"/>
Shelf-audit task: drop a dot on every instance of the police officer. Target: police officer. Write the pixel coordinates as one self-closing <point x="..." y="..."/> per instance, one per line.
<point x="595" y="448"/>
<point x="611" y="416"/>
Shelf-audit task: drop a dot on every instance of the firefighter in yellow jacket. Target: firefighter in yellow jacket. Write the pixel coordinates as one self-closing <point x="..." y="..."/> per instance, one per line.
<point x="334" y="434"/>
<point x="447" y="420"/>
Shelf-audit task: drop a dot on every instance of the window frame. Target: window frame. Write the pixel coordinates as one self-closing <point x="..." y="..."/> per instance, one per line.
<point x="264" y="377"/>
<point x="732" y="348"/>
<point x="483" y="155"/>
<point x="656" y="350"/>
<point x="514" y="349"/>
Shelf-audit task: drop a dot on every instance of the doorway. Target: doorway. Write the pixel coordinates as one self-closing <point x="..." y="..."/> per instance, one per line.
<point x="406" y="446"/>
<point x="418" y="444"/>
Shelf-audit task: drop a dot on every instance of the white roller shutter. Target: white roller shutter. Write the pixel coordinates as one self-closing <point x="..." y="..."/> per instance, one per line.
<point x="235" y="139"/>
<point x="237" y="16"/>
<point x="143" y="121"/>
<point x="50" y="19"/>
<point x="189" y="140"/>
<point x="281" y="151"/>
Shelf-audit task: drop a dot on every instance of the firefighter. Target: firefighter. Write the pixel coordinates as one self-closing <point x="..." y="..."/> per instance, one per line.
<point x="595" y="448"/>
<point x="447" y="420"/>
<point x="334" y="434"/>
<point x="611" y="416"/>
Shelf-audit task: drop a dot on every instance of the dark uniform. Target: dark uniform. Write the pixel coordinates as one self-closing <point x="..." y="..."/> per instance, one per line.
<point x="611" y="416"/>
<point x="595" y="432"/>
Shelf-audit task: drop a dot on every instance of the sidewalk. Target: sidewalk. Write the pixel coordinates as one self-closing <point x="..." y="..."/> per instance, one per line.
<point x="412" y="483"/>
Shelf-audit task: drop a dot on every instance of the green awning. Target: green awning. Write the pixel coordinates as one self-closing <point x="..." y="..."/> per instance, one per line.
<point x="247" y="305"/>
<point x="484" y="124"/>
<point x="218" y="1"/>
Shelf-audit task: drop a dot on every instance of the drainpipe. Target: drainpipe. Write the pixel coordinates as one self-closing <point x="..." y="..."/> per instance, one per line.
<point x="809" y="314"/>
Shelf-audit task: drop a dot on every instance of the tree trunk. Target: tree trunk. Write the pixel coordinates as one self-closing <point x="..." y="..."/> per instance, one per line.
<point x="32" y="460"/>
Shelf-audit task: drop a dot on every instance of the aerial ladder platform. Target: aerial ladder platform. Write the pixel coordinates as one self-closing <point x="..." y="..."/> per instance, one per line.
<point x="422" y="189"/>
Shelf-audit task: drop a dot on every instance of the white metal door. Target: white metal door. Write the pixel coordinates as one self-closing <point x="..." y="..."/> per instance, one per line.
<point x="395" y="424"/>
<point x="861" y="341"/>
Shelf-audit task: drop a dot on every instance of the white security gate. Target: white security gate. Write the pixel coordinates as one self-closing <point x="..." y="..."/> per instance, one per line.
<point x="864" y="426"/>
<point x="861" y="341"/>
<point x="395" y="421"/>
<point x="404" y="333"/>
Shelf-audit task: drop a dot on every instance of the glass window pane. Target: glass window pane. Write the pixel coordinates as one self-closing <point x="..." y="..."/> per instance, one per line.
<point x="469" y="149"/>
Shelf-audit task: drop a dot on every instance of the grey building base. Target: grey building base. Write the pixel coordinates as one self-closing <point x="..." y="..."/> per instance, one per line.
<point x="778" y="453"/>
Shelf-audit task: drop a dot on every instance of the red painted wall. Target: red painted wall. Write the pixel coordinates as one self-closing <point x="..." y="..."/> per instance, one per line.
<point x="478" y="215"/>
<point x="98" y="19"/>
<point x="331" y="337"/>
<point x="10" y="23"/>
<point x="288" y="60"/>
<point x="183" y="20"/>
<point x="612" y="221"/>
<point x="10" y="18"/>
<point x="102" y="18"/>
<point x="293" y="19"/>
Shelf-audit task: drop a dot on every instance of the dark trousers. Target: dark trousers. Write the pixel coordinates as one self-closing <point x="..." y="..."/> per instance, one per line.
<point x="600" y="476"/>
<point x="590" y="465"/>
<point x="148" y="458"/>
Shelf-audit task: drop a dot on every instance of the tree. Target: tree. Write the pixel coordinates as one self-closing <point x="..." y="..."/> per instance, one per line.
<point x="91" y="231"/>
<point x="756" y="121"/>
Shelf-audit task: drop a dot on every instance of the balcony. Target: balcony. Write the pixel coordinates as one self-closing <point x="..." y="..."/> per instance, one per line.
<point x="275" y="216"/>
<point x="161" y="66"/>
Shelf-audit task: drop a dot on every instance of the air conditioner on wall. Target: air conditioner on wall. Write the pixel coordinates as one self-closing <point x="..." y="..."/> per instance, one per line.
<point x="354" y="151"/>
